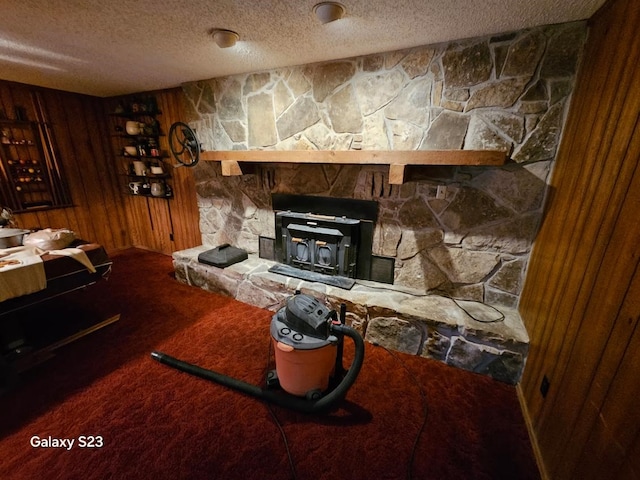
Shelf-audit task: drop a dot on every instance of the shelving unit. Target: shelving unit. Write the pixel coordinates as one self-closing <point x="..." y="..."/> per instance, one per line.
<point x="32" y="177"/>
<point x="136" y="134"/>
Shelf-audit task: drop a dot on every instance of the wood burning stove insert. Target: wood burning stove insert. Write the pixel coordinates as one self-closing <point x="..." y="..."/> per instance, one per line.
<point x="319" y="243"/>
<point x="324" y="239"/>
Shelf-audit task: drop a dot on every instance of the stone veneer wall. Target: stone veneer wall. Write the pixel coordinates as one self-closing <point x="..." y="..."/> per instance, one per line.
<point x="507" y="92"/>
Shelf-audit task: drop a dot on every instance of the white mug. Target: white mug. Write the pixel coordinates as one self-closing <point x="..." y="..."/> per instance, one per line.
<point x="139" y="168"/>
<point x="133" y="128"/>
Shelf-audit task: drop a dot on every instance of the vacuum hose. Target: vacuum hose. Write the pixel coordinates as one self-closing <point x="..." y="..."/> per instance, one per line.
<point x="288" y="401"/>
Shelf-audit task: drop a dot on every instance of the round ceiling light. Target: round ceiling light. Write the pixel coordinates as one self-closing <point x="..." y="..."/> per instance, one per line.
<point x="225" y="38"/>
<point x="329" y="11"/>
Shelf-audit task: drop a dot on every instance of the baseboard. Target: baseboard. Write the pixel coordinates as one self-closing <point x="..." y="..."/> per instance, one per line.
<point x="532" y="435"/>
<point x="139" y="247"/>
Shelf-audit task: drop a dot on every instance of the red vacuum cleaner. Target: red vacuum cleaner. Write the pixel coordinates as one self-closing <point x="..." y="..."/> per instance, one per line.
<point x="308" y="340"/>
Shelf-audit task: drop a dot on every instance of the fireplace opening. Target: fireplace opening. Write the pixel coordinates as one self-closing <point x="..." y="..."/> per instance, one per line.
<point x="328" y="240"/>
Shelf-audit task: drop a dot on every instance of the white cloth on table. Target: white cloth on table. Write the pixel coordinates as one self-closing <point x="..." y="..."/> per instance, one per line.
<point x="21" y="272"/>
<point x="77" y="254"/>
<point x="22" y="269"/>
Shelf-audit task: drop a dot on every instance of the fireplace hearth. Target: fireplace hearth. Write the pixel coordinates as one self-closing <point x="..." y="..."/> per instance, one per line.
<point x="326" y="239"/>
<point x="431" y="326"/>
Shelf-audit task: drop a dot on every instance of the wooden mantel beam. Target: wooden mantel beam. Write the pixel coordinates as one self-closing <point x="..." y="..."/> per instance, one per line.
<point x="397" y="160"/>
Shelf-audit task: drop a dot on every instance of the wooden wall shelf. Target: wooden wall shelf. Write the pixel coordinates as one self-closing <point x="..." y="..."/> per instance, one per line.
<point x="396" y="159"/>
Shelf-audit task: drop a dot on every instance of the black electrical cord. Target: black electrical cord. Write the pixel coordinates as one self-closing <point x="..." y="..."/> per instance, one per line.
<point x="500" y="317"/>
<point x="277" y="421"/>
<point x="284" y="438"/>
<point x="425" y="409"/>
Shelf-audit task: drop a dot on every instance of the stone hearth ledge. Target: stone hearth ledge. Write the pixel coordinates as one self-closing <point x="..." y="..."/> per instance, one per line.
<point x="431" y="326"/>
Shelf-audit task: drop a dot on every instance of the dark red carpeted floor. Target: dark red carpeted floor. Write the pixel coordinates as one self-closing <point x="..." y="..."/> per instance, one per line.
<point x="405" y="417"/>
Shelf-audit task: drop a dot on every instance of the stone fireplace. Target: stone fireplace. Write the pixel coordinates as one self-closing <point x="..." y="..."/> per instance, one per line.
<point x="408" y="313"/>
<point x="448" y="235"/>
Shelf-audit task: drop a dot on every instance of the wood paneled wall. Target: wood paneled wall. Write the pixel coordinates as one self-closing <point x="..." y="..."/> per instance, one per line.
<point x="158" y="224"/>
<point x="581" y="300"/>
<point x="103" y="210"/>
<point x="78" y="123"/>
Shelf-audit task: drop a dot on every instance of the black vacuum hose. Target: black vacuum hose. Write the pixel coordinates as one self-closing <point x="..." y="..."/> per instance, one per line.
<point x="278" y="398"/>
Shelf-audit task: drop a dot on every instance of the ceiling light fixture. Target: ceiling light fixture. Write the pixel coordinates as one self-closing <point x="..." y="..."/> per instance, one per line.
<point x="329" y="11"/>
<point x="225" y="38"/>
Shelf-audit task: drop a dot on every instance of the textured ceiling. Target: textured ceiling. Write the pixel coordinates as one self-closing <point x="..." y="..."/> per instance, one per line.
<point x="112" y="47"/>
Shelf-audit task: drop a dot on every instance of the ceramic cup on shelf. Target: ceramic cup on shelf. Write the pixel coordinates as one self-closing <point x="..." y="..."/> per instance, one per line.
<point x="133" y="128"/>
<point x="139" y="168"/>
<point x="131" y="150"/>
<point x="157" y="189"/>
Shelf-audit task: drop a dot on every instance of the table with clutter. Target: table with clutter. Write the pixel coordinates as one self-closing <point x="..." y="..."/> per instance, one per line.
<point x="36" y="267"/>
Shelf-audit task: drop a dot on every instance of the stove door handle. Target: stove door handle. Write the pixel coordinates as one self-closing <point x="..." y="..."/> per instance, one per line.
<point x="321" y="217"/>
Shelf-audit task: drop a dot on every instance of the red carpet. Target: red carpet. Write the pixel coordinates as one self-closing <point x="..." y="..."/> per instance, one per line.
<point x="405" y="417"/>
